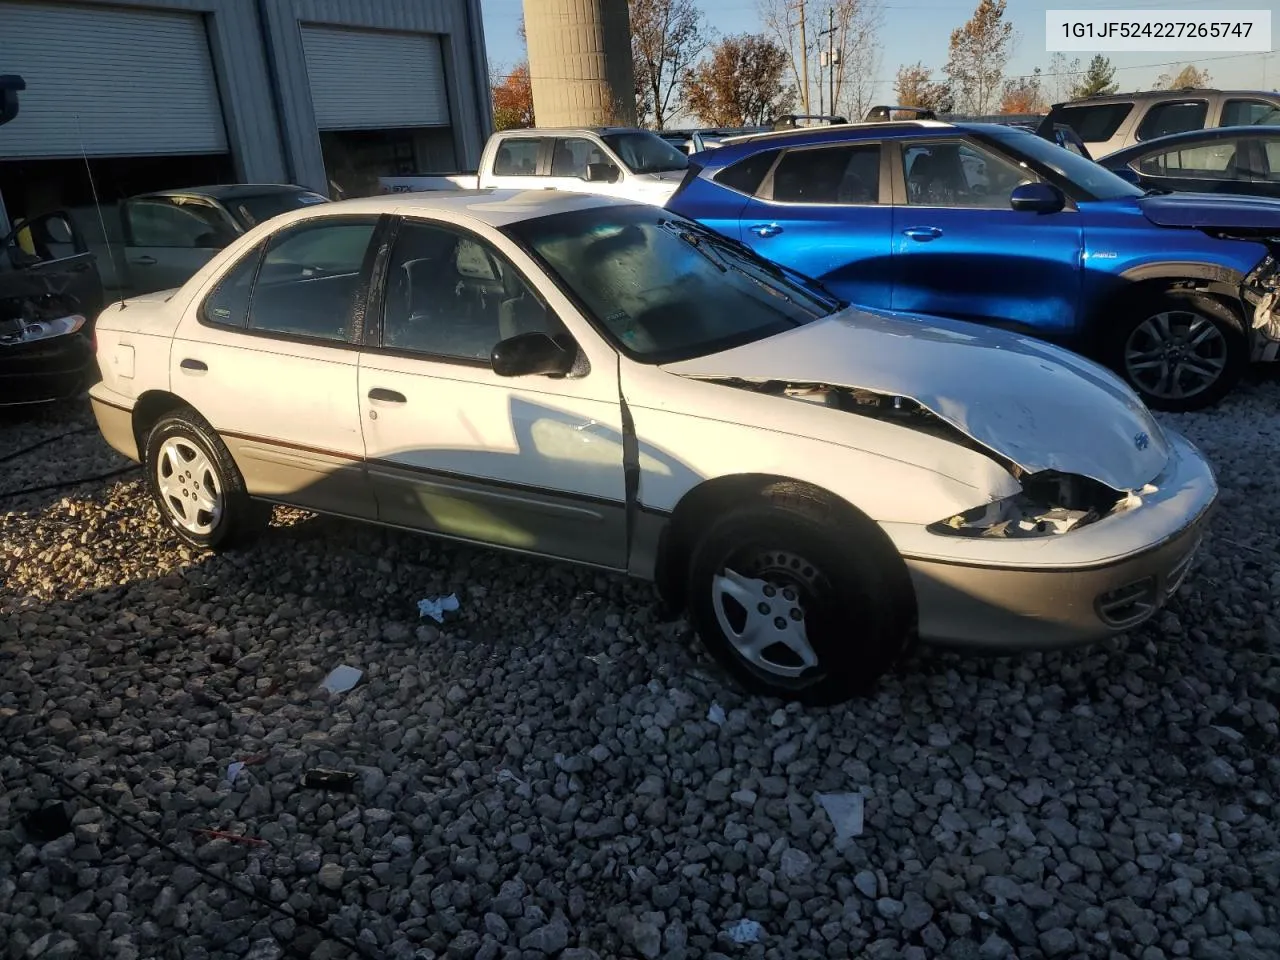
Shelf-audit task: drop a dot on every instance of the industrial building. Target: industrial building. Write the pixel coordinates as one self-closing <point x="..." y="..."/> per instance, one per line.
<point x="123" y="98"/>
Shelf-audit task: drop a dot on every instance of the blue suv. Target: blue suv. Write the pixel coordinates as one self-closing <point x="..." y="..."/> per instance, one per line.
<point x="996" y="225"/>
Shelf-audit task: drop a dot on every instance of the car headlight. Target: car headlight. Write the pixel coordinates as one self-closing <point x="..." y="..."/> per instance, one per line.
<point x="48" y="329"/>
<point x="1049" y="504"/>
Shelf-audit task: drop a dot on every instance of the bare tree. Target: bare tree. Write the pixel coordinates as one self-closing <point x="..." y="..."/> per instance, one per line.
<point x="667" y="37"/>
<point x="857" y="25"/>
<point x="742" y="82"/>
<point x="846" y="32"/>
<point x="1063" y="77"/>
<point x="785" y="23"/>
<point x="978" y="53"/>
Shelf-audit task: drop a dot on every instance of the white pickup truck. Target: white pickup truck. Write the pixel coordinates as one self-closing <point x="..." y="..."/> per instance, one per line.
<point x="616" y="161"/>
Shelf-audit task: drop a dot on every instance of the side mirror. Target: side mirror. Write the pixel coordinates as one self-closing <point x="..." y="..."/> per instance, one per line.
<point x="529" y="355"/>
<point x="1037" y="198"/>
<point x="602" y="172"/>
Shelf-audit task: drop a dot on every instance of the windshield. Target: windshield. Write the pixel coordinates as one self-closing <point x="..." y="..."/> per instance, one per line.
<point x="252" y="210"/>
<point x="662" y="288"/>
<point x="1091" y="181"/>
<point x="645" y="152"/>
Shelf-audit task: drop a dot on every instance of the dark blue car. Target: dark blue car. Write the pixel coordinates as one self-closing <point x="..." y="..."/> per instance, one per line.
<point x="996" y="225"/>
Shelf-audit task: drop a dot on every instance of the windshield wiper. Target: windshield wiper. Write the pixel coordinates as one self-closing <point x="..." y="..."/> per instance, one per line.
<point x="693" y="240"/>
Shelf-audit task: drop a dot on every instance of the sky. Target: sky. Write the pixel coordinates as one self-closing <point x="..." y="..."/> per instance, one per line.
<point x="914" y="30"/>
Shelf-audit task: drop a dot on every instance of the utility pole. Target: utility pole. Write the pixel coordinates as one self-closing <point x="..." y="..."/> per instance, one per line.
<point x="804" y="62"/>
<point x="831" y="55"/>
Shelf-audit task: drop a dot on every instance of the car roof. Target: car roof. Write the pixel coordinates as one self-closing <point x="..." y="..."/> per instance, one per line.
<point x="738" y="147"/>
<point x="1204" y="135"/>
<point x="228" y="191"/>
<point x="495" y="207"/>
<point x="598" y="131"/>
<point x="1180" y="94"/>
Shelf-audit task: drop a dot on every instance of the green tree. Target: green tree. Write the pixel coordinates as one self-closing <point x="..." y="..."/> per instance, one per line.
<point x="1099" y="79"/>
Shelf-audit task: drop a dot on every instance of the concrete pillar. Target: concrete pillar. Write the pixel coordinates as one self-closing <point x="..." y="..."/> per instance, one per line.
<point x="580" y="62"/>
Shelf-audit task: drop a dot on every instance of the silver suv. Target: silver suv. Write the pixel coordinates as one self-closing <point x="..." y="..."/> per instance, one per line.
<point x="1109" y="123"/>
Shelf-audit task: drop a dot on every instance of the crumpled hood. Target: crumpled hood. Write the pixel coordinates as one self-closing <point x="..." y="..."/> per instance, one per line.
<point x="1201" y="210"/>
<point x="1037" y="405"/>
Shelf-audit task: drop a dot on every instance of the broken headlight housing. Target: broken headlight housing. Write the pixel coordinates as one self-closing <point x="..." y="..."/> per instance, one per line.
<point x="1049" y="504"/>
<point x="28" y="331"/>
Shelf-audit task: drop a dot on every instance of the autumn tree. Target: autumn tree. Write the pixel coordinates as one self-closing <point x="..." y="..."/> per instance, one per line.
<point x="1098" y="80"/>
<point x="513" y="99"/>
<point x="914" y="87"/>
<point x="667" y="37"/>
<point x="1188" y="76"/>
<point x="1023" y="94"/>
<point x="978" y="53"/>
<point x="741" y="83"/>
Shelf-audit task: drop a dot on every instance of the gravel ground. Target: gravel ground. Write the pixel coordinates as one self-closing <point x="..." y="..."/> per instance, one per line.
<point x="539" y="777"/>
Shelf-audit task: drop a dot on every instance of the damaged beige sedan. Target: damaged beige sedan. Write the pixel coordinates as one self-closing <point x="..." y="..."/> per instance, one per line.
<point x="597" y="381"/>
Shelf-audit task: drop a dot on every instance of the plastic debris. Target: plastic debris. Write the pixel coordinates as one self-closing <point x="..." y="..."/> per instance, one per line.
<point x="232" y="837"/>
<point x="437" y="607"/>
<point x="599" y="659"/>
<point x="341" y="679"/>
<point x="716" y="715"/>
<point x="745" y="931"/>
<point x="233" y="770"/>
<point x="323" y="779"/>
<point x="506" y="776"/>
<point x="845" y="812"/>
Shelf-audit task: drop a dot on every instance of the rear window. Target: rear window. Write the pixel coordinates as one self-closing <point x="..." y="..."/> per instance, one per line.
<point x="1093" y="122"/>
<point x="1173" y="117"/>
<point x="1247" y="113"/>
<point x="745" y="175"/>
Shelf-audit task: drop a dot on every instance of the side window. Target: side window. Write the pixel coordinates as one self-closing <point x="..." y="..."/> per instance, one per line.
<point x="517" y="157"/>
<point x="309" y="278"/>
<point x="952" y="174"/>
<point x="745" y="175"/>
<point x="1094" y="123"/>
<point x="1214" y="161"/>
<point x="454" y="296"/>
<point x="571" y="156"/>
<point x="228" y="302"/>
<point x="1174" y="116"/>
<point x="1271" y="149"/>
<point x="843" y="175"/>
<point x="165" y="223"/>
<point x="1248" y="113"/>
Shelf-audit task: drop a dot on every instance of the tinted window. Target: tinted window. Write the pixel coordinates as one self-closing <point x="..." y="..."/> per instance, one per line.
<point x="450" y="295"/>
<point x="252" y="210"/>
<point x="849" y="174"/>
<point x="1174" y="117"/>
<point x="663" y="288"/>
<point x="175" y="223"/>
<point x="1093" y="122"/>
<point x="645" y="152"/>
<point x="229" y="302"/>
<point x="517" y="157"/>
<point x="309" y="278"/>
<point x="951" y="174"/>
<point x="571" y="156"/>
<point x="1246" y="113"/>
<point x="1216" y="160"/>
<point x="745" y="175"/>
<point x="1272" y="149"/>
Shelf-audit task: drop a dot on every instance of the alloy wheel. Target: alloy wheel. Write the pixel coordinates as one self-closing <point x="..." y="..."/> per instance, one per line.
<point x="188" y="486"/>
<point x="1175" y="354"/>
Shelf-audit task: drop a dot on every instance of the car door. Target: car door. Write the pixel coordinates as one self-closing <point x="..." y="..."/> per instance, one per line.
<point x="169" y="238"/>
<point x="570" y="158"/>
<point x="531" y="463"/>
<point x="53" y="258"/>
<point x="266" y="354"/>
<point x="1268" y="153"/>
<point x="518" y="164"/>
<point x="961" y="251"/>
<point x="825" y="212"/>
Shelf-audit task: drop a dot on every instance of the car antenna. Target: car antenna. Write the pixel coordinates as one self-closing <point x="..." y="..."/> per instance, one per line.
<point x="97" y="205"/>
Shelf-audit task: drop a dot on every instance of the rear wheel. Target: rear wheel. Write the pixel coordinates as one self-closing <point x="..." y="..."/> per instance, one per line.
<point x="800" y="601"/>
<point x="1181" y="351"/>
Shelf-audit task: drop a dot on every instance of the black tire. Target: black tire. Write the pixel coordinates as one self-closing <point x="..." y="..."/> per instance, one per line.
<point x="1135" y="341"/>
<point x="856" y="598"/>
<point x="237" y="519"/>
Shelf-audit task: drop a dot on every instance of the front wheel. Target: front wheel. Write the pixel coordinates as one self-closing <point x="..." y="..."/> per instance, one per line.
<point x="1181" y="351"/>
<point x="798" y="600"/>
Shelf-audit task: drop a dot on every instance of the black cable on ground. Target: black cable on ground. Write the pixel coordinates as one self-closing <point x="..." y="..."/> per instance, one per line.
<point x="157" y="841"/>
<point x="41" y="443"/>
<point x="70" y="483"/>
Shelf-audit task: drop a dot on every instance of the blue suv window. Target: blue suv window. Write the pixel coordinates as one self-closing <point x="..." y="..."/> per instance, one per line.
<point x="745" y="175"/>
<point x="947" y="173"/>
<point x="847" y="174"/>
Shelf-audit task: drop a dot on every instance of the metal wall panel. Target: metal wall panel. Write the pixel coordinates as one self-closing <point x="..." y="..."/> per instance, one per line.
<point x="374" y="79"/>
<point x="109" y="82"/>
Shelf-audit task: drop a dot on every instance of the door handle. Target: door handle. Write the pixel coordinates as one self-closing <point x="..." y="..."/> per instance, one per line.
<point x="765" y="229"/>
<point x="390" y="396"/>
<point x="197" y="365"/>
<point x="144" y="261"/>
<point x="923" y="234"/>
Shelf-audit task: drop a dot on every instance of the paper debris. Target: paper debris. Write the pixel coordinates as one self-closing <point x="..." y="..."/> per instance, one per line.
<point x="437" y="607"/>
<point x="745" y="931"/>
<point x="845" y="812"/>
<point x="599" y="659"/>
<point x="341" y="679"/>
<point x="506" y="776"/>
<point x="716" y="714"/>
<point x="233" y="770"/>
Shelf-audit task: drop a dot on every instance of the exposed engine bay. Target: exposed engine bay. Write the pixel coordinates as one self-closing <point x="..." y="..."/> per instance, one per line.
<point x="1050" y="503"/>
<point x="25" y="319"/>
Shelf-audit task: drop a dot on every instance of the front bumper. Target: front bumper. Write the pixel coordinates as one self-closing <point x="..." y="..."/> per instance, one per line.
<point x="1140" y="558"/>
<point x="45" y="371"/>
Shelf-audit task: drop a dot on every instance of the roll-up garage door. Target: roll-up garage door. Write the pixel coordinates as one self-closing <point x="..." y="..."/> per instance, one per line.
<point x="374" y="80"/>
<point x="108" y="82"/>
